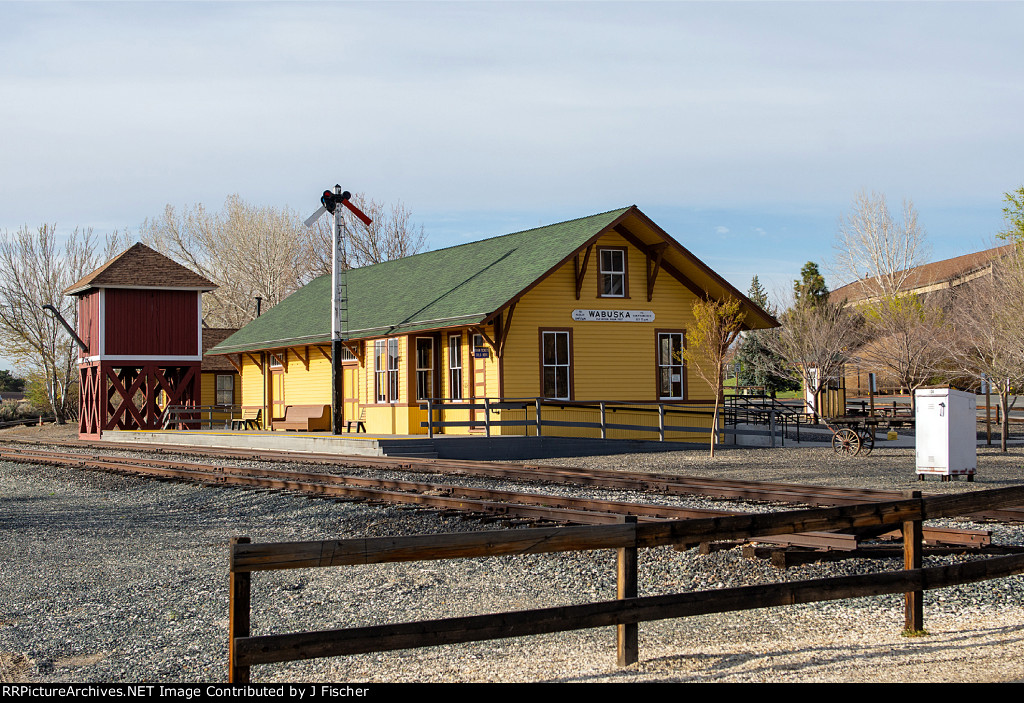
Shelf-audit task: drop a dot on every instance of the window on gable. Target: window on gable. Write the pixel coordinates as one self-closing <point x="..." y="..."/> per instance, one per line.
<point x="612" y="273"/>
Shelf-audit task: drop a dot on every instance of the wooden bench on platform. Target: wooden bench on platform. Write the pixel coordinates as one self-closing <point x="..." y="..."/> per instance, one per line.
<point x="360" y="423"/>
<point x="250" y="420"/>
<point x="304" y="417"/>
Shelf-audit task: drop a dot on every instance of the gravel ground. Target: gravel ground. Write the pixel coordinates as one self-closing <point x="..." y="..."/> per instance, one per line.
<point x="116" y="579"/>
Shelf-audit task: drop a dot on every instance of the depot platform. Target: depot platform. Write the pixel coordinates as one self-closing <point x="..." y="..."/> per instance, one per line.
<point x="472" y="447"/>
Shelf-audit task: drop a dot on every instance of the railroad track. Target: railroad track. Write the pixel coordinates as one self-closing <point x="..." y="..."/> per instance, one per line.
<point x="480" y="503"/>
<point x="670" y="484"/>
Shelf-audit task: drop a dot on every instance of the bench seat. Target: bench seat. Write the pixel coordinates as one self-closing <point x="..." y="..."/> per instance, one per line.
<point x="310" y="418"/>
<point x="250" y="420"/>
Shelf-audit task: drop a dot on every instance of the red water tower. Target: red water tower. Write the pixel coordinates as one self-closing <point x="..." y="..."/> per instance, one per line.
<point x="140" y="317"/>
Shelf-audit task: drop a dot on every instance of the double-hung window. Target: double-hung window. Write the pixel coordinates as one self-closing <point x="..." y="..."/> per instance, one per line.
<point x="671" y="379"/>
<point x="380" y="355"/>
<point x="424" y="368"/>
<point x="556" y="365"/>
<point x="393" y="370"/>
<point x="385" y="370"/>
<point x="225" y="389"/>
<point x="612" y="274"/>
<point x="455" y="366"/>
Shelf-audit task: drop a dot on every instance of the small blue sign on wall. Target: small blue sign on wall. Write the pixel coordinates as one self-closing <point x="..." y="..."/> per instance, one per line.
<point x="481" y="353"/>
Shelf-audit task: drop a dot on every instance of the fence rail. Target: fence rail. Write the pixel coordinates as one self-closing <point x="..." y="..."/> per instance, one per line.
<point x="628" y="610"/>
<point x="207" y="417"/>
<point x="600" y="414"/>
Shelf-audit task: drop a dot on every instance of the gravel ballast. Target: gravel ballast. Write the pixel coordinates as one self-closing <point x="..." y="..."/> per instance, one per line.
<point x="108" y="578"/>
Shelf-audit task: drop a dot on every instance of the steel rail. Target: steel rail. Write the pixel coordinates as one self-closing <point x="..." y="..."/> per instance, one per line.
<point x="530" y="506"/>
<point x="635" y="481"/>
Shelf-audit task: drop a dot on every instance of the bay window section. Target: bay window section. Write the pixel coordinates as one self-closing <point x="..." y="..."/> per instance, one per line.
<point x="455" y="366"/>
<point x="385" y="370"/>
<point x="424" y="368"/>
<point x="380" y="352"/>
<point x="393" y="370"/>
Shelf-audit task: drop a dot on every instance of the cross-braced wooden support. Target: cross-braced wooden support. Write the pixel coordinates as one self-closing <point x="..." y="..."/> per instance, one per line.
<point x="132" y="397"/>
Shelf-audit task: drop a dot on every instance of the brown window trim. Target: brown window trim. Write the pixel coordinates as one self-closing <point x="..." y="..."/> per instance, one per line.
<point x="657" y="366"/>
<point x="217" y="390"/>
<point x="451" y="371"/>
<point x="625" y="274"/>
<point x="389" y="373"/>
<point x="414" y="367"/>
<point x="540" y="361"/>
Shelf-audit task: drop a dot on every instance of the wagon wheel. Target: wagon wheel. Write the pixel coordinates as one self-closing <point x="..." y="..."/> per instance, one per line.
<point x="867" y="441"/>
<point x="846" y="441"/>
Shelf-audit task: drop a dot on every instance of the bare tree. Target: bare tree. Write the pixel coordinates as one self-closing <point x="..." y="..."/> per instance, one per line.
<point x="1013" y="213"/>
<point x="34" y="271"/>
<point x="907" y="338"/>
<point x="391" y="235"/>
<point x="248" y="251"/>
<point x="708" y="343"/>
<point x="881" y="253"/>
<point x="987" y="339"/>
<point x="814" y="343"/>
<point x="878" y="250"/>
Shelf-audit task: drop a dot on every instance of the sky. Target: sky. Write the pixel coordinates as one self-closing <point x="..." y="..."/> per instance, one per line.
<point x="744" y="129"/>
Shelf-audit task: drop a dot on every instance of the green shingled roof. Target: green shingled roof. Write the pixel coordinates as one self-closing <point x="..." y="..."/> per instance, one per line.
<point x="460" y="285"/>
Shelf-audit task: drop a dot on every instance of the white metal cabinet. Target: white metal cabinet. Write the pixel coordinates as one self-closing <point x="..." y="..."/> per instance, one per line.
<point x="946" y="431"/>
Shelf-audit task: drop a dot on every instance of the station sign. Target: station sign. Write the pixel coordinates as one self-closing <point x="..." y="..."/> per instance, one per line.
<point x="613" y="315"/>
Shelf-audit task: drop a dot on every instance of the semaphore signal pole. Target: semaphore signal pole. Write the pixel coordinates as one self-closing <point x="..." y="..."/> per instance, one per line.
<point x="339" y="293"/>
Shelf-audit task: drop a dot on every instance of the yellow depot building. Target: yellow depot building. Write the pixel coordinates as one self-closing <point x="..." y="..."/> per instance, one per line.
<point x="561" y="318"/>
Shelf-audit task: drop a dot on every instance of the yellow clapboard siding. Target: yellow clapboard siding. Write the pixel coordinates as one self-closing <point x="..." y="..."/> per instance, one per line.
<point x="611" y="360"/>
<point x="310" y="386"/>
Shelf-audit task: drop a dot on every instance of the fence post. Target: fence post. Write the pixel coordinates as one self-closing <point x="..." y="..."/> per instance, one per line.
<point x="661" y="422"/>
<point x="771" y="429"/>
<point x="912" y="559"/>
<point x="604" y="429"/>
<point x="487" y="417"/>
<point x="536" y="416"/>
<point x="627" y="636"/>
<point x="239" y="595"/>
<point x="430" y="419"/>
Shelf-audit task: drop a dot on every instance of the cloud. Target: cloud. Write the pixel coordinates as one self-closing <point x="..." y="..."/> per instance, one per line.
<point x="721" y="229"/>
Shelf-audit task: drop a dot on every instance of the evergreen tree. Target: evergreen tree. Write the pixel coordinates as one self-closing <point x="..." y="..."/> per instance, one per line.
<point x="9" y="382"/>
<point x="756" y="360"/>
<point x="811" y="286"/>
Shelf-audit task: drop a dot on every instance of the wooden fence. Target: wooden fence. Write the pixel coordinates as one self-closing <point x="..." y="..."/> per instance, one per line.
<point x="246" y="650"/>
<point x="199" y="417"/>
<point x="597" y="418"/>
